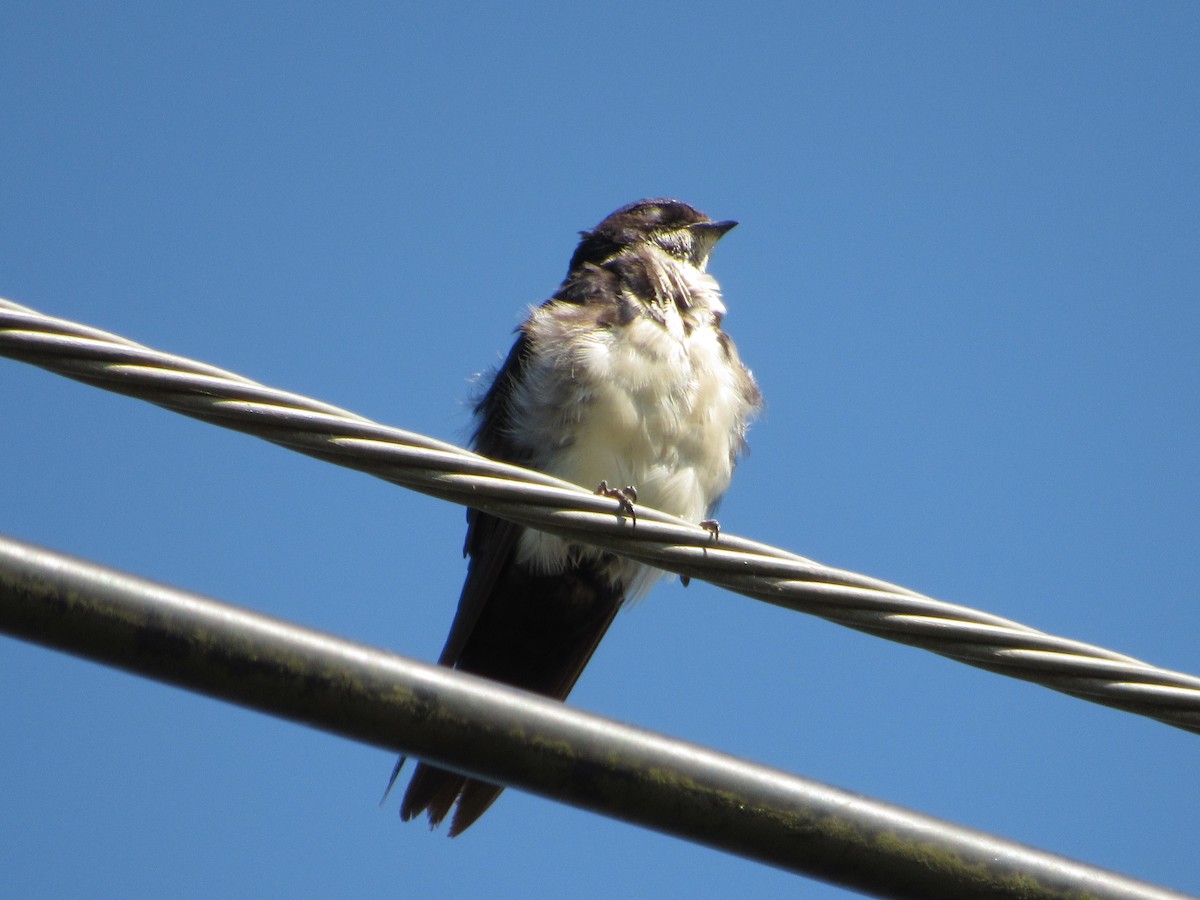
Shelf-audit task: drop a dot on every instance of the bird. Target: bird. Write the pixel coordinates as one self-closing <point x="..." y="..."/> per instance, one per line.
<point x="624" y="377"/>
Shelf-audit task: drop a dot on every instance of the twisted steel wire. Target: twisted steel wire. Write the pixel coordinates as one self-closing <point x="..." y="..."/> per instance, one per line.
<point x="539" y="501"/>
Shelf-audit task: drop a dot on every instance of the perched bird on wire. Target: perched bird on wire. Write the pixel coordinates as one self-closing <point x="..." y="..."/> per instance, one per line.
<point x="622" y="379"/>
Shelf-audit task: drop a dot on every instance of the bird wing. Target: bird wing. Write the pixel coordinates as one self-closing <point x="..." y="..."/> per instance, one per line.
<point x="513" y="625"/>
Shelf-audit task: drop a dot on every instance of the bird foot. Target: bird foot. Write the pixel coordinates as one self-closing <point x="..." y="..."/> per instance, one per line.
<point x="713" y="527"/>
<point x="625" y="497"/>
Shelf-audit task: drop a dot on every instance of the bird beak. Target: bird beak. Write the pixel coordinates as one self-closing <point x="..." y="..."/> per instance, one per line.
<point x="705" y="236"/>
<point x="715" y="230"/>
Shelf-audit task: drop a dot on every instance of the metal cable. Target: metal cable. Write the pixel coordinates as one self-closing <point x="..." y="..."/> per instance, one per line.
<point x="507" y="736"/>
<point x="530" y="498"/>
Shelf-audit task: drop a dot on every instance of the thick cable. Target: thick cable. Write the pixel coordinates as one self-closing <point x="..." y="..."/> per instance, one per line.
<point x="510" y="737"/>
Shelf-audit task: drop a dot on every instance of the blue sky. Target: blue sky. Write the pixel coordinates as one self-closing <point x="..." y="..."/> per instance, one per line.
<point x="966" y="279"/>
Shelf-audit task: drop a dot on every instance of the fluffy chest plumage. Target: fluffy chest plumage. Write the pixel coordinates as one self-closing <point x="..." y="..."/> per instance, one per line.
<point x="658" y="409"/>
<point x="657" y="400"/>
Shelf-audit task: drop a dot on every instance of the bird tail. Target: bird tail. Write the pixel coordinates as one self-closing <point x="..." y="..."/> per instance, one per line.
<point x="436" y="791"/>
<point x="392" y="781"/>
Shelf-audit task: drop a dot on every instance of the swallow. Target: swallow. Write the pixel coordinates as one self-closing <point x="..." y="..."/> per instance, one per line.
<point x="623" y="377"/>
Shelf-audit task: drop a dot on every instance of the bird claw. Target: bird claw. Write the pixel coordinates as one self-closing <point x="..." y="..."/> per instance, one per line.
<point x="713" y="527"/>
<point x="625" y="497"/>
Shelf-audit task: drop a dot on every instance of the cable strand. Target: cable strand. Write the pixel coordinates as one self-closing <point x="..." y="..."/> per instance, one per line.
<point x="536" y="500"/>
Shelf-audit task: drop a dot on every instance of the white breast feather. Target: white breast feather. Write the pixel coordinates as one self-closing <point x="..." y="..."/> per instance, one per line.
<point x="649" y="404"/>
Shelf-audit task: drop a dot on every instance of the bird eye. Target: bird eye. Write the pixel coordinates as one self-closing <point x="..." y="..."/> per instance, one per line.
<point x="676" y="243"/>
